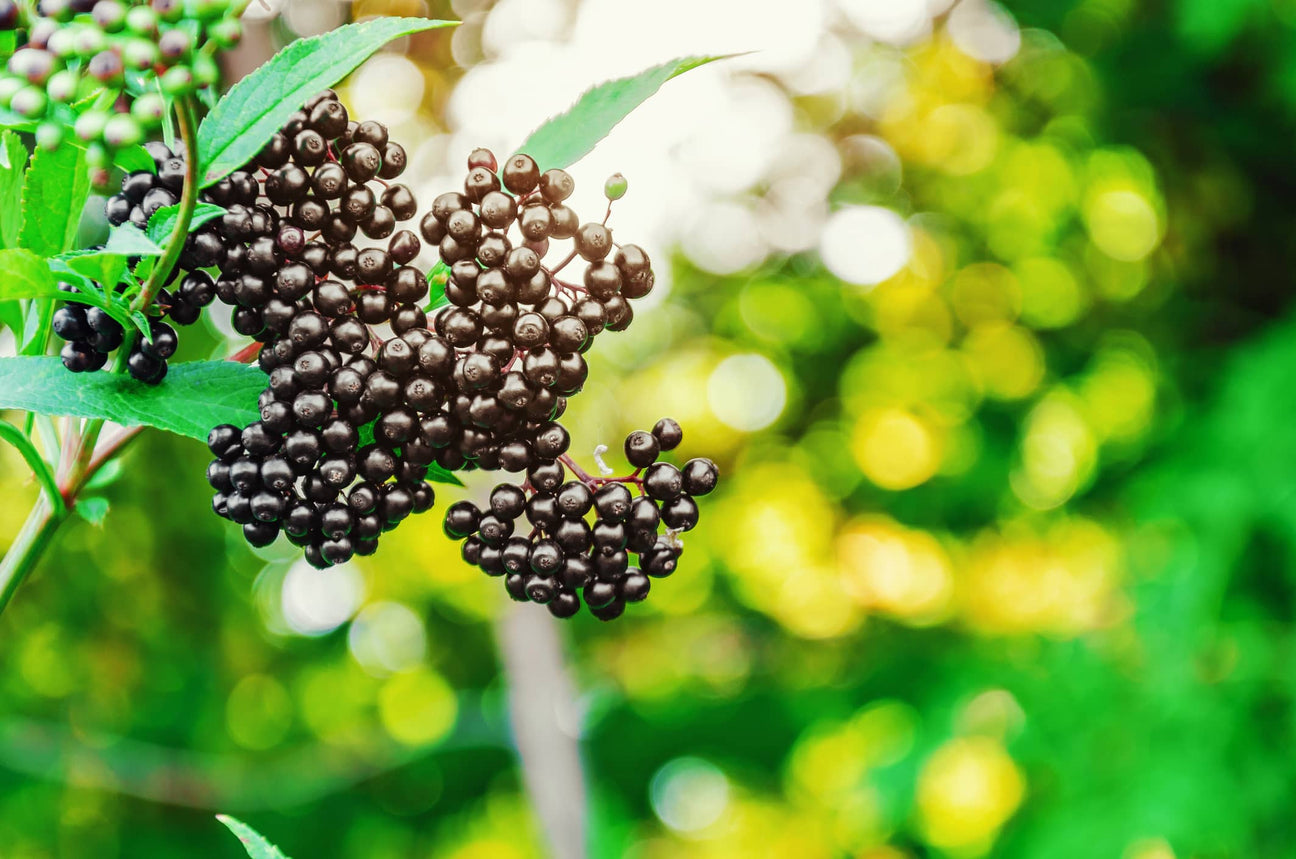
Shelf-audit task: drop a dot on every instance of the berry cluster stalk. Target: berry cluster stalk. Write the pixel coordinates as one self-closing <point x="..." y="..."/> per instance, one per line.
<point x="44" y="519"/>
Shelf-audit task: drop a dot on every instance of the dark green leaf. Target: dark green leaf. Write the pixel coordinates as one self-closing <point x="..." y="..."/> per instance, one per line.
<point x="253" y="842"/>
<point x="13" y="160"/>
<point x="437" y="474"/>
<point x="194" y="397"/>
<point x="93" y="509"/>
<point x="24" y="275"/>
<point x="54" y="193"/>
<point x="255" y="107"/>
<point x="568" y="137"/>
<point x="163" y="220"/>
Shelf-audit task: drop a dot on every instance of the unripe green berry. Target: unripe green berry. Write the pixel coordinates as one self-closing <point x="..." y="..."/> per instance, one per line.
<point x="106" y="67"/>
<point x="170" y="11"/>
<point x="110" y="15"/>
<point x="174" y="46"/>
<point x="139" y="54"/>
<point x="59" y="10"/>
<point x="100" y="179"/>
<point x="32" y="64"/>
<point x="29" y="101"/>
<point x="142" y="21"/>
<point x="206" y="72"/>
<point x="148" y="109"/>
<point x="98" y="156"/>
<point x="615" y="186"/>
<point x="207" y="10"/>
<point x="62" y="43"/>
<point x="49" y="135"/>
<point x="177" y="81"/>
<point x="121" y="131"/>
<point x="62" y="87"/>
<point x="88" y="41"/>
<point x="9" y="86"/>
<point x="226" y="33"/>
<point x="90" y="125"/>
<point x="11" y="15"/>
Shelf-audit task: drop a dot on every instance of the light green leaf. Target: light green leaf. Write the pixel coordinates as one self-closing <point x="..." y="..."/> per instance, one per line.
<point x="438" y="277"/>
<point x="13" y="161"/>
<point x="134" y="159"/>
<point x="253" y="842"/>
<point x="163" y="220"/>
<point x="194" y="397"/>
<point x="570" y="136"/>
<point x="54" y="193"/>
<point x="24" y="275"/>
<point x="93" y="509"/>
<point x="258" y="105"/>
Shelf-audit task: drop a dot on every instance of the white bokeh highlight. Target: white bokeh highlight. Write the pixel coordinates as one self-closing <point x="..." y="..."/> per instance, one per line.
<point x="865" y="245"/>
<point x="689" y="794"/>
<point x="386" y="638"/>
<point x="315" y="602"/>
<point x="747" y="392"/>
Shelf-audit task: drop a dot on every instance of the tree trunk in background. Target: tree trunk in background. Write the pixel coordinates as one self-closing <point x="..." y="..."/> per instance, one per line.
<point x="546" y="725"/>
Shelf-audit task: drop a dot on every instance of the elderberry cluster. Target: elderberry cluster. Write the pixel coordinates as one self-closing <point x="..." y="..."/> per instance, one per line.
<point x="583" y="530"/>
<point x="92" y="335"/>
<point x="72" y="50"/>
<point x="516" y="329"/>
<point x="304" y="467"/>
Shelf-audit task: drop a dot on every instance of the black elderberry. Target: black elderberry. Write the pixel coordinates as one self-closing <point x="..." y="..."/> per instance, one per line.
<point x="593" y="241"/>
<point x="641" y="449"/>
<point x="556" y="185"/>
<point x="668" y="435"/>
<point x="700" y="476"/>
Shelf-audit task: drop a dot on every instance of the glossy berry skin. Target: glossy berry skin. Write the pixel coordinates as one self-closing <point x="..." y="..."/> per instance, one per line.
<point x="641" y="449"/>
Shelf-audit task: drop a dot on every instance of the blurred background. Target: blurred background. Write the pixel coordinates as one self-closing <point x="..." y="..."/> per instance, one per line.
<point x="984" y="312"/>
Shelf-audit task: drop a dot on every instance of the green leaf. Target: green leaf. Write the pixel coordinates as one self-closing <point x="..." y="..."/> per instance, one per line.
<point x="54" y="193"/>
<point x="253" y="842"/>
<point x="9" y="119"/>
<point x="569" y="137"/>
<point x="24" y="275"/>
<point x="438" y="277"/>
<point x="93" y="509"/>
<point x="258" y="105"/>
<point x="13" y="161"/>
<point x="163" y="220"/>
<point x="133" y="159"/>
<point x="194" y="397"/>
<point x="39" y="467"/>
<point x="437" y="474"/>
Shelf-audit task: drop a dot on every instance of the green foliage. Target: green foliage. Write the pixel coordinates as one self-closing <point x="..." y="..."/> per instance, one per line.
<point x="93" y="509"/>
<point x="255" y="108"/>
<point x="13" y="161"/>
<point x="11" y="434"/>
<point x="571" y="135"/>
<point x="194" y="397"/>
<point x="164" y="220"/>
<point x="24" y="275"/>
<point x="54" y="193"/>
<point x="253" y="842"/>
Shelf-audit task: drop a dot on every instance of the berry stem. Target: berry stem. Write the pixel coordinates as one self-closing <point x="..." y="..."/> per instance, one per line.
<point x="581" y="474"/>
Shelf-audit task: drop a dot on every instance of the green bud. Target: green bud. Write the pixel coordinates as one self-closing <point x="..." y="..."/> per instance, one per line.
<point x="49" y="135"/>
<point x="62" y="87"/>
<point x="148" y="109"/>
<point x="142" y="21"/>
<point x="29" y="101"/>
<point x="121" y="131"/>
<point x="177" y="81"/>
<point x="615" y="187"/>
<point x="90" y="125"/>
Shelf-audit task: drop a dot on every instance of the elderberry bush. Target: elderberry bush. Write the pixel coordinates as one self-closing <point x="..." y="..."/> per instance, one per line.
<point x="583" y="530"/>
